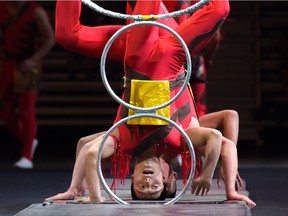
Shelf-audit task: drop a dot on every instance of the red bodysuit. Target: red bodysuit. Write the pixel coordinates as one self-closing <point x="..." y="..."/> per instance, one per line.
<point x="148" y="55"/>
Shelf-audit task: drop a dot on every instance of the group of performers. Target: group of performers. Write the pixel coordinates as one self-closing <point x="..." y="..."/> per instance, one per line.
<point x="152" y="54"/>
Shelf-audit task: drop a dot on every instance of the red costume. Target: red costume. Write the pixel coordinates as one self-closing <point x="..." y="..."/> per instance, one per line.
<point x="18" y="36"/>
<point x="148" y="55"/>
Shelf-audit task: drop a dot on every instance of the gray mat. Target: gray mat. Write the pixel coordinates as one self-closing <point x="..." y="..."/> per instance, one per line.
<point x="213" y="204"/>
<point x="195" y="209"/>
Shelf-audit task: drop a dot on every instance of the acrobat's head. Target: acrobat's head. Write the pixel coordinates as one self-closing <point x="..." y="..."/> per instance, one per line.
<point x="151" y="181"/>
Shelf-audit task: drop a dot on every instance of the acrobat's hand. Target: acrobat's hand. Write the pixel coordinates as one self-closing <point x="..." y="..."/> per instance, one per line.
<point x="239" y="182"/>
<point x="220" y="176"/>
<point x="27" y="65"/>
<point x="88" y="200"/>
<point x="201" y="186"/>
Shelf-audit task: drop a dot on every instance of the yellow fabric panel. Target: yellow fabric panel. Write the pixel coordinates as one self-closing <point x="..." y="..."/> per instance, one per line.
<point x="147" y="94"/>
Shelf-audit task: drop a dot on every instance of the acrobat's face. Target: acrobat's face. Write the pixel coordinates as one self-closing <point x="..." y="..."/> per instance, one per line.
<point x="148" y="180"/>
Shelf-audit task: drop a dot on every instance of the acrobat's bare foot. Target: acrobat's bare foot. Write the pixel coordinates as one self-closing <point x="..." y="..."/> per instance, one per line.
<point x="240" y="197"/>
<point x="68" y="195"/>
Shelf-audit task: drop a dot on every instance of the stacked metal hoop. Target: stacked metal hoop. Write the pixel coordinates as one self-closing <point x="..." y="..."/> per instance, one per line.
<point x="103" y="11"/>
<point x="140" y="111"/>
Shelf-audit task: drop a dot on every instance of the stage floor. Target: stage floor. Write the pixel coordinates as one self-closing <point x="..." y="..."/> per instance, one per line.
<point x="23" y="191"/>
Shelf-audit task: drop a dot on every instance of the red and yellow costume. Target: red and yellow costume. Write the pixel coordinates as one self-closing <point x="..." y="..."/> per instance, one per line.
<point x="18" y="35"/>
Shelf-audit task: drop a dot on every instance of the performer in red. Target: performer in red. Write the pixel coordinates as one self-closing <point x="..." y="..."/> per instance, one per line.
<point x="21" y="52"/>
<point x="150" y="56"/>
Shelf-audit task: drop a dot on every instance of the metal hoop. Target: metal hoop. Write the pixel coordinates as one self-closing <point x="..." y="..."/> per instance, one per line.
<point x="188" y="141"/>
<point x="104" y="57"/>
<point x="103" y="11"/>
